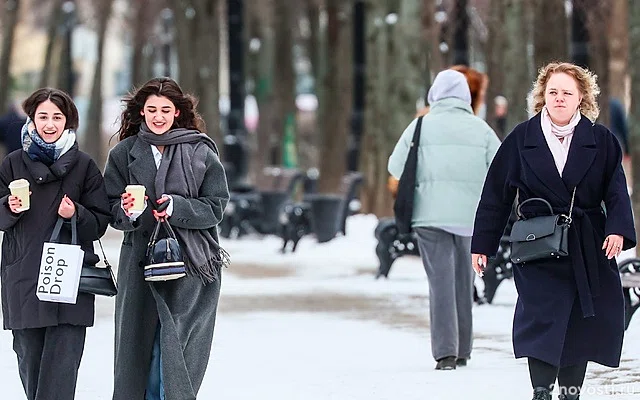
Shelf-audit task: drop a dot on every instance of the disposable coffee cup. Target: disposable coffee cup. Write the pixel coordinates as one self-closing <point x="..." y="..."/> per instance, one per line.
<point x="20" y="188"/>
<point x="137" y="191"/>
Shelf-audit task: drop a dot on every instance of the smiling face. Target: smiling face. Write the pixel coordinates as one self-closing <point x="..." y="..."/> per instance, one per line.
<point x="159" y="113"/>
<point x="562" y="97"/>
<point x="49" y="121"/>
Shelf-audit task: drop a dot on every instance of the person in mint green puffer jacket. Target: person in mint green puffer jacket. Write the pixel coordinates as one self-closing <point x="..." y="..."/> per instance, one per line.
<point x="455" y="150"/>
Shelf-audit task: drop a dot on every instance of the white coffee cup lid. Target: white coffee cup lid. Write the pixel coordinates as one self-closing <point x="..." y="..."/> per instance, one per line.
<point x="19" y="183"/>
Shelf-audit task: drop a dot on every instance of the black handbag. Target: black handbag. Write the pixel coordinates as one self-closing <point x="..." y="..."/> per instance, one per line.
<point x="540" y="237"/>
<point x="164" y="260"/>
<point x="98" y="280"/>
<point x="93" y="280"/>
<point x="403" y="205"/>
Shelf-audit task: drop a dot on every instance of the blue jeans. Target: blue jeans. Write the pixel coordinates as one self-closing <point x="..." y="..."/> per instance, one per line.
<point x="155" y="386"/>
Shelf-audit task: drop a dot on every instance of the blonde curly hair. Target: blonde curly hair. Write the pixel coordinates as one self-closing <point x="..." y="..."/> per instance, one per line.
<point x="587" y="85"/>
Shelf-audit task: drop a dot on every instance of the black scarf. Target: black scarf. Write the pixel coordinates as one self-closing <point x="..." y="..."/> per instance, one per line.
<point x="183" y="165"/>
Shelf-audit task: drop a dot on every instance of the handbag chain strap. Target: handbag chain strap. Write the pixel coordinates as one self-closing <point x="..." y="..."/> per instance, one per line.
<point x="104" y="256"/>
<point x="567" y="218"/>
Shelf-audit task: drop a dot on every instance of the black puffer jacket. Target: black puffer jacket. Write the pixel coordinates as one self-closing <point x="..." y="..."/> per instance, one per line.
<point x="76" y="175"/>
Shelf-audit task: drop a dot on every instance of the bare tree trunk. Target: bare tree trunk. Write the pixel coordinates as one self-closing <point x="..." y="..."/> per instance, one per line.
<point x="144" y="16"/>
<point x="9" y="20"/>
<point x="264" y="88"/>
<point x="521" y="74"/>
<point x="619" y="50"/>
<point x="198" y="45"/>
<point x="186" y="29"/>
<point x="377" y="142"/>
<point x="284" y="90"/>
<point x="550" y="37"/>
<point x="93" y="142"/>
<point x="207" y="41"/>
<point x="338" y="96"/>
<point x="634" y="111"/>
<point x="313" y="14"/>
<point x="496" y="58"/>
<point x="598" y="20"/>
<point x="431" y="32"/>
<point x="407" y="69"/>
<point x="55" y="18"/>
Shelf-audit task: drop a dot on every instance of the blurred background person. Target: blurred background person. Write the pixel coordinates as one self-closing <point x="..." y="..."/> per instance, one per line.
<point x="500" y="112"/>
<point x="10" y="126"/>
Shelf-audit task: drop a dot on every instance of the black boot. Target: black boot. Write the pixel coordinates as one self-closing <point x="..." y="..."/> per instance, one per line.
<point x="568" y="397"/>
<point x="541" y="393"/>
<point x="446" y="363"/>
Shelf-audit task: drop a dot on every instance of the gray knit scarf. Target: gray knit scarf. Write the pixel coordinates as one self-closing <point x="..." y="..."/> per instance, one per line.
<point x="180" y="170"/>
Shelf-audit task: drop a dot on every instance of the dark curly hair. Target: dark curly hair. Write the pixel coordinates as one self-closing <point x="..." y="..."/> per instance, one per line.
<point x="131" y="119"/>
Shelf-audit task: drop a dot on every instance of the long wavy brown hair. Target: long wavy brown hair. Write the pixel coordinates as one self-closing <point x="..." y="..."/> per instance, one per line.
<point x="585" y="79"/>
<point x="131" y="118"/>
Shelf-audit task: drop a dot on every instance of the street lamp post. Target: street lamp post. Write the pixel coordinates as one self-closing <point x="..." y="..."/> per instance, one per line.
<point x="357" y="116"/>
<point x="579" y="35"/>
<point x="66" y="76"/>
<point x="235" y="152"/>
<point x="167" y="38"/>
<point x="461" y="33"/>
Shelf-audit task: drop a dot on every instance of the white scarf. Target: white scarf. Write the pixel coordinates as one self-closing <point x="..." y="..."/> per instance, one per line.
<point x="553" y="133"/>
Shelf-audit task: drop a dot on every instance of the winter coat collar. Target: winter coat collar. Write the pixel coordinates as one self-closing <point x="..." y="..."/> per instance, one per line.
<point x="582" y="153"/>
<point x="44" y="174"/>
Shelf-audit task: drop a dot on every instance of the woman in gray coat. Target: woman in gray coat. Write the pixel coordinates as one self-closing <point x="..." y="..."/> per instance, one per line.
<point x="164" y="329"/>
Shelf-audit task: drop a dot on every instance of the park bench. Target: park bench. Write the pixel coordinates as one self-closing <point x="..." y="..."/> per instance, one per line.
<point x="392" y="245"/>
<point x="256" y="209"/>
<point x="323" y="215"/>
<point x="630" y="278"/>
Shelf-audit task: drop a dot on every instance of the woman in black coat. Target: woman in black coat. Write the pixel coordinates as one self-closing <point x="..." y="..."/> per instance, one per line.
<point x="48" y="337"/>
<point x="570" y="310"/>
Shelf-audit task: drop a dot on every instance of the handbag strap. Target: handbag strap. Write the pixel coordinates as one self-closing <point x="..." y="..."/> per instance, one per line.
<point x="163" y="222"/>
<point x="567" y="217"/>
<point x="55" y="234"/>
<point x="416" y="133"/>
<point x="104" y="256"/>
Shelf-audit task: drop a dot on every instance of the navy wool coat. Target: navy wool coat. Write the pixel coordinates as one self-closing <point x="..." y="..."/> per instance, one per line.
<point x="569" y="310"/>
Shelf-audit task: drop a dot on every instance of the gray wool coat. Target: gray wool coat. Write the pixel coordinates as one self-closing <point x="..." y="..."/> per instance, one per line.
<point x="185" y="308"/>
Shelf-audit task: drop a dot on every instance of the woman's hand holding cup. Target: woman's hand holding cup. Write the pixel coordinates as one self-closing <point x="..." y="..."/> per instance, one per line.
<point x="20" y="195"/>
<point x="15" y="204"/>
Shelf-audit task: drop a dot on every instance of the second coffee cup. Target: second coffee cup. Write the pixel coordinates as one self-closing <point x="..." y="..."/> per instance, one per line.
<point x="137" y="191"/>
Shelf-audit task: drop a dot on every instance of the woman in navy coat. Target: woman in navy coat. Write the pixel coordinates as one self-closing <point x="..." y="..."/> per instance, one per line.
<point x="569" y="310"/>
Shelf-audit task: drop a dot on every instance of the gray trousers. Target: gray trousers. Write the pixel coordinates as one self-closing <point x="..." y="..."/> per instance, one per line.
<point x="49" y="359"/>
<point x="447" y="260"/>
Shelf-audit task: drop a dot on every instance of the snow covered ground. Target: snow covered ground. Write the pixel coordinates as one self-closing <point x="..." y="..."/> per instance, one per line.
<point x="316" y="325"/>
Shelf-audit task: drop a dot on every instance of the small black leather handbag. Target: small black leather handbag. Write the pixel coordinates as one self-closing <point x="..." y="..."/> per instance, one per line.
<point x="541" y="237"/>
<point x="93" y="280"/>
<point x="164" y="260"/>
<point x="98" y="280"/>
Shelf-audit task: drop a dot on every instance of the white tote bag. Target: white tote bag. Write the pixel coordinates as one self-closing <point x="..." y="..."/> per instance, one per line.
<point x="60" y="268"/>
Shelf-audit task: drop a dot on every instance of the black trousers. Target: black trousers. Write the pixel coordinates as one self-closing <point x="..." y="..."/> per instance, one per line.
<point x="570" y="378"/>
<point x="48" y="360"/>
